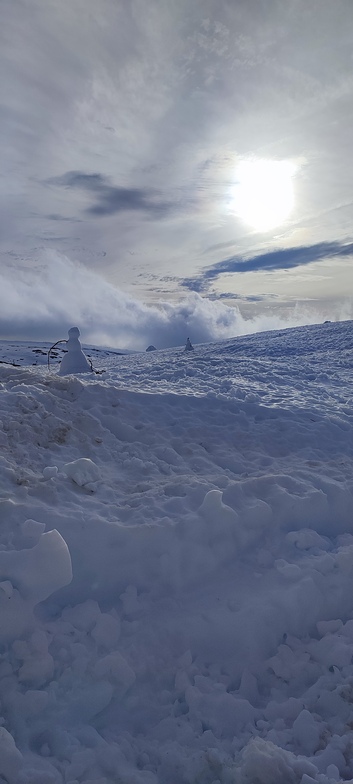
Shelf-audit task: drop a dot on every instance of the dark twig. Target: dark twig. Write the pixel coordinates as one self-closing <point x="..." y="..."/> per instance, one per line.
<point x="51" y="348"/>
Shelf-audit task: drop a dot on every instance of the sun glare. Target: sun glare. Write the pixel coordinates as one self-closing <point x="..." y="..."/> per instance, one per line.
<point x="263" y="193"/>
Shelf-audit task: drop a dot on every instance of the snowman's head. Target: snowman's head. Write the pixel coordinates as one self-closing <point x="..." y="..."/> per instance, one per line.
<point x="74" y="332"/>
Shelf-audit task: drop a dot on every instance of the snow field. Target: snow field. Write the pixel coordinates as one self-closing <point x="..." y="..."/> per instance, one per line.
<point x="204" y="504"/>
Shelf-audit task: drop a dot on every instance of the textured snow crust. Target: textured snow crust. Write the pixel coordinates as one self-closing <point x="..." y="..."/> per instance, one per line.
<point x="176" y="564"/>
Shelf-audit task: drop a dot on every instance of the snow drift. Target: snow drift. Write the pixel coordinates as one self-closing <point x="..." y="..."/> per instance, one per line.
<point x="201" y="502"/>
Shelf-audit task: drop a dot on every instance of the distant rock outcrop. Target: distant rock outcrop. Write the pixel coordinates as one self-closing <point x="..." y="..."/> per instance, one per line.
<point x="151" y="348"/>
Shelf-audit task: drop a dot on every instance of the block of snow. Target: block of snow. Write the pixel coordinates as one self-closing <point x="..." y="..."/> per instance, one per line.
<point x="82" y="471"/>
<point x="39" y="571"/>
<point x="33" y="702"/>
<point x="329" y="627"/>
<point x="32" y="528"/>
<point x="266" y="763"/>
<point x="116" y="668"/>
<point x="333" y="773"/>
<point x="348" y="630"/>
<point x="39" y="642"/>
<point x="95" y="781"/>
<point x="50" y="471"/>
<point x="129" y="600"/>
<point x="11" y="759"/>
<point x="288" y="570"/>
<point x="82" y="616"/>
<point x="220" y="517"/>
<point x="106" y="632"/>
<point x="89" y="701"/>
<point x="37" y="670"/>
<point x="7" y="587"/>
<point x="307" y="538"/>
<point x="225" y="715"/>
<point x="306" y="732"/>
<point x="81" y="762"/>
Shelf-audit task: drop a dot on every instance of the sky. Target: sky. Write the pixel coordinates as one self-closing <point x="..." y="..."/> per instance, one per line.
<point x="186" y="163"/>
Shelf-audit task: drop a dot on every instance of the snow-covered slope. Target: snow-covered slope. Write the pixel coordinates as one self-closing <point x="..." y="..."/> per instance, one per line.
<point x="176" y="564"/>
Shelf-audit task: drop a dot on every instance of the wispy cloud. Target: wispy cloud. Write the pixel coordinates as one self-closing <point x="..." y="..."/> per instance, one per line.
<point x="112" y="199"/>
<point x="285" y="259"/>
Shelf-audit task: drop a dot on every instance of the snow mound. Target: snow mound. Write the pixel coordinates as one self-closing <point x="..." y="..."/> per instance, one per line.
<point x="84" y="472"/>
<point x="206" y="634"/>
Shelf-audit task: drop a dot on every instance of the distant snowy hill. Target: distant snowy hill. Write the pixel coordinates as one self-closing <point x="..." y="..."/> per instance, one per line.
<point x="23" y="353"/>
<point x="176" y="563"/>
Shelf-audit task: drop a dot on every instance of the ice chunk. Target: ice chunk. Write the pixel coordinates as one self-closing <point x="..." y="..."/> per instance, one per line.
<point x="82" y="471"/>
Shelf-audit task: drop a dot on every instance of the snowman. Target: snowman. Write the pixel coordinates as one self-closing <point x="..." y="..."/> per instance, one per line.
<point x="74" y="361"/>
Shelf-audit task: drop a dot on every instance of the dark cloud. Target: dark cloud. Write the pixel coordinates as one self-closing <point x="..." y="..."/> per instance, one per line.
<point x="113" y="199"/>
<point x="77" y="179"/>
<point x="243" y="298"/>
<point x="286" y="259"/>
<point x="56" y="217"/>
<point x="198" y="285"/>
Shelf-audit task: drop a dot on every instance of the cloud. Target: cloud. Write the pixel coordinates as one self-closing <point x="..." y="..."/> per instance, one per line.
<point x="286" y="259"/>
<point x="113" y="199"/>
<point x="56" y="217"/>
<point x="42" y="301"/>
<point x="250" y="298"/>
<point x="147" y="107"/>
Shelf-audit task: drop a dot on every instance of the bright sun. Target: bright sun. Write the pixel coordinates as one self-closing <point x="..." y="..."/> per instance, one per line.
<point x="263" y="194"/>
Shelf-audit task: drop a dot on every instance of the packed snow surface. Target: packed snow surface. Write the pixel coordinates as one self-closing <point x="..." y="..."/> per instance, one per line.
<point x="176" y="563"/>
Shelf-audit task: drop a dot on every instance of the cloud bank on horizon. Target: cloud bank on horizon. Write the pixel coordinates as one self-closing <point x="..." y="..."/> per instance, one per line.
<point x="43" y="303"/>
<point x="150" y="140"/>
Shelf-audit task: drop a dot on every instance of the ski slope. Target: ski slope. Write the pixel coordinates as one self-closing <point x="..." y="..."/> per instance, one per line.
<point x="176" y="563"/>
